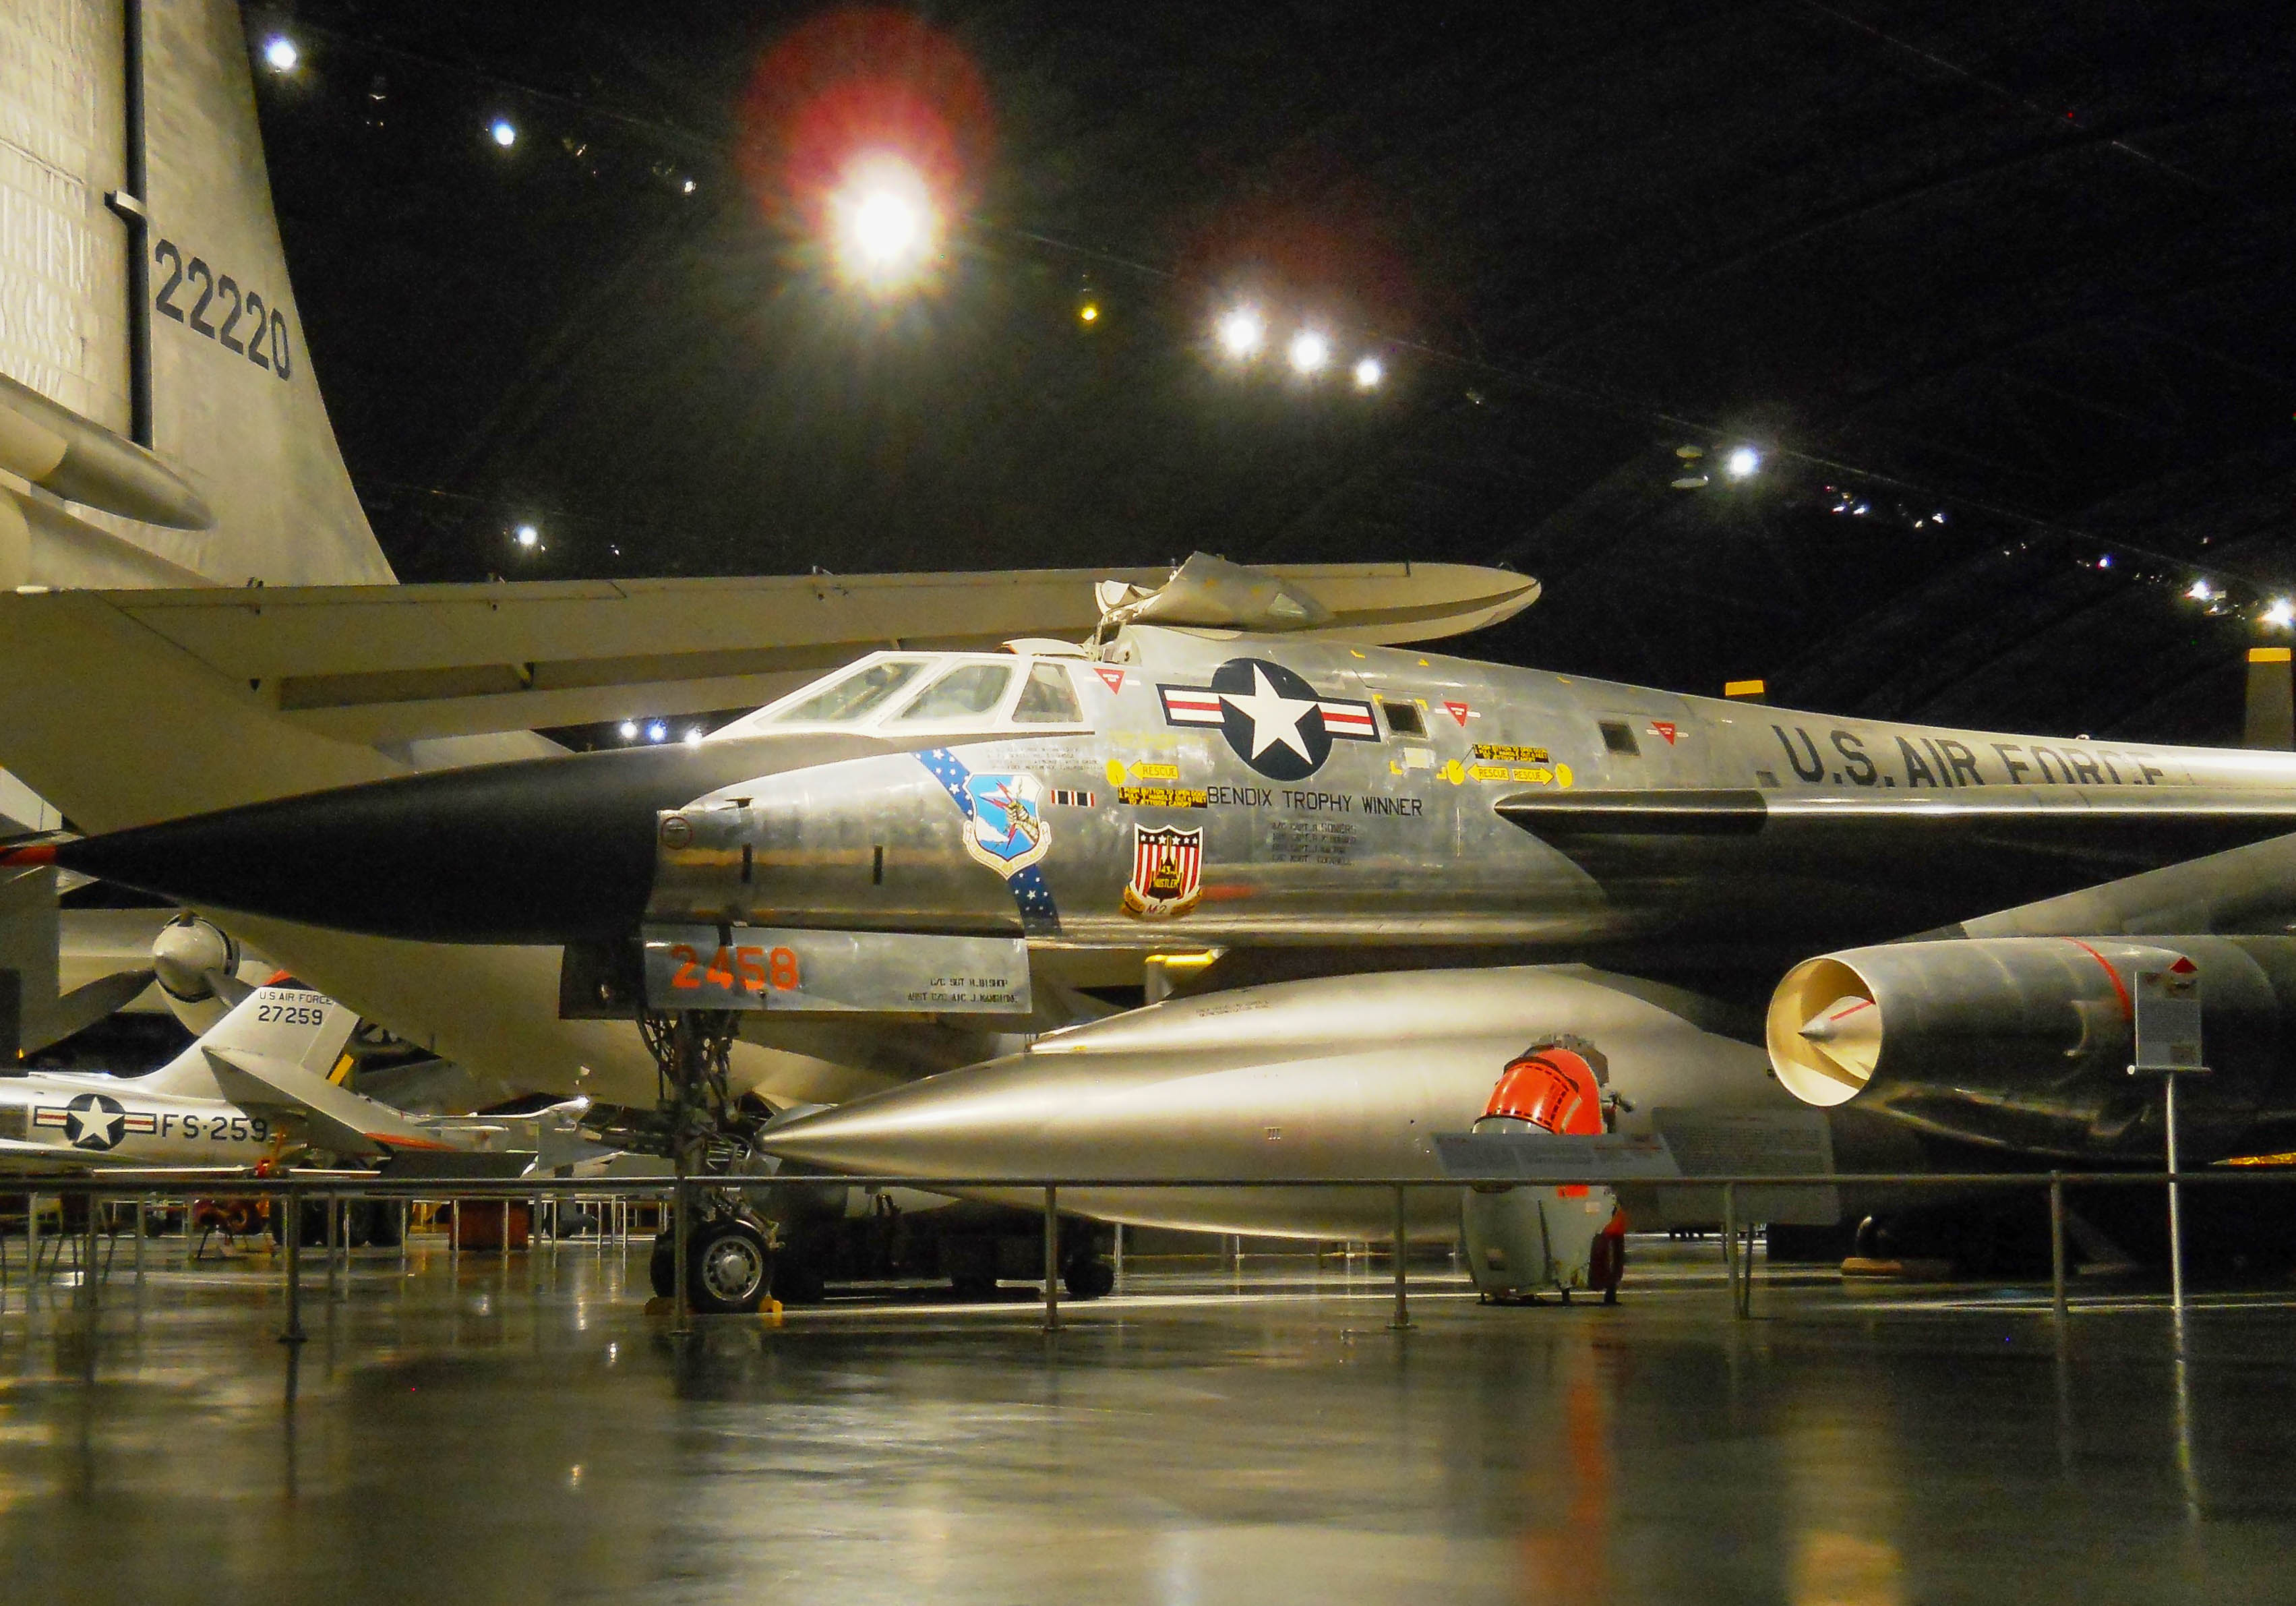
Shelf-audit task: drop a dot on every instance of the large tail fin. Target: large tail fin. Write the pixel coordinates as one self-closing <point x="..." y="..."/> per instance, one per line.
<point x="282" y="1021"/>
<point x="273" y="1052"/>
<point x="145" y="298"/>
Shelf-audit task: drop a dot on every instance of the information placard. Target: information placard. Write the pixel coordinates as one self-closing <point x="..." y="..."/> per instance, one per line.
<point x="773" y="968"/>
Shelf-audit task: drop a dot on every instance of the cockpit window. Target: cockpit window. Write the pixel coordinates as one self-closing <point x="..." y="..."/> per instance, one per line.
<point x="1047" y="698"/>
<point x="854" y="697"/>
<point x="969" y="689"/>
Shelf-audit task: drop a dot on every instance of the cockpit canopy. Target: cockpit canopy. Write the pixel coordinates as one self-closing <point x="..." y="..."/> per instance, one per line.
<point x="900" y="694"/>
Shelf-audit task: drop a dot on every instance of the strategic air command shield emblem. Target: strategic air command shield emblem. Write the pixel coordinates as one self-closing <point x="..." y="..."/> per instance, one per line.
<point x="1005" y="827"/>
<point x="1167" y="872"/>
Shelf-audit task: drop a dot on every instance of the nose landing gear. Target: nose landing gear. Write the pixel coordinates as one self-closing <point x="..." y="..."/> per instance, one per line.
<point x="729" y="1265"/>
<point x="723" y="1264"/>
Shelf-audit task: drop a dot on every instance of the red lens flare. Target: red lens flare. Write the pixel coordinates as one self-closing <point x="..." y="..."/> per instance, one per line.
<point x="865" y="127"/>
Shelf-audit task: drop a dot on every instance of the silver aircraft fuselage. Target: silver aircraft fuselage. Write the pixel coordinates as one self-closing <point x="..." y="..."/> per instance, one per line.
<point x="1193" y="789"/>
<point x="1232" y="791"/>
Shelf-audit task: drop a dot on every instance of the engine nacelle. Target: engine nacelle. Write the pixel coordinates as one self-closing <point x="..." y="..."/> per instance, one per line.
<point x="2024" y="1043"/>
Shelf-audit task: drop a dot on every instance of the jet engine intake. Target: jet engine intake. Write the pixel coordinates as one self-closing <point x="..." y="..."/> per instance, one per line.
<point x="2025" y="1043"/>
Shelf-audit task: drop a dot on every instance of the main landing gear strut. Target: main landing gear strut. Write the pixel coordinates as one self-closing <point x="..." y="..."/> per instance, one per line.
<point x="721" y="1262"/>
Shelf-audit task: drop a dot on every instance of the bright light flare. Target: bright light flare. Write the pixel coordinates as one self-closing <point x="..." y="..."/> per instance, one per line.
<point x="2202" y="592"/>
<point x="1241" y="333"/>
<point x="1369" y="373"/>
<point x="1742" y="463"/>
<point x="527" y="536"/>
<point x="1310" y="352"/>
<point x="502" y="132"/>
<point x="629" y="730"/>
<point x="885" y="226"/>
<point x="1089" y="313"/>
<point x="2280" y="614"/>
<point x="280" y="53"/>
<point x="656" y="731"/>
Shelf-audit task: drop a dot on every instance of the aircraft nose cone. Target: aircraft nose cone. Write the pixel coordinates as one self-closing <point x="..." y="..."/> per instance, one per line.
<point x="531" y="852"/>
<point x="983" y="1121"/>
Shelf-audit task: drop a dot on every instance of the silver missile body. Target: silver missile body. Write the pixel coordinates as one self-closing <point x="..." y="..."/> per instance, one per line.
<point x="1336" y="1077"/>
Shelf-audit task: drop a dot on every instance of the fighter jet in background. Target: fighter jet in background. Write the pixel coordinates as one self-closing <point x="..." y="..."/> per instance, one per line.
<point x="255" y="1091"/>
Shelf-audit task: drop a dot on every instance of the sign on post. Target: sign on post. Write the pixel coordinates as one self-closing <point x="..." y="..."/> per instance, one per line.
<point x="2168" y="1010"/>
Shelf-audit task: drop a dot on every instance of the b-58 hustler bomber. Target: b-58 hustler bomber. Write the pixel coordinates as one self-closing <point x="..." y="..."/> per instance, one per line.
<point x="925" y="841"/>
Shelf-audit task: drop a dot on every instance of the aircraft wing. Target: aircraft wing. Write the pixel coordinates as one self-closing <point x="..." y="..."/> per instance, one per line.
<point x="336" y="1117"/>
<point x="2172" y="823"/>
<point x="398" y="663"/>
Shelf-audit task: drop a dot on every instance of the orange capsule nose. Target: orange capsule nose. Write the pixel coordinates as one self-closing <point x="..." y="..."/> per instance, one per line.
<point x="1550" y="1087"/>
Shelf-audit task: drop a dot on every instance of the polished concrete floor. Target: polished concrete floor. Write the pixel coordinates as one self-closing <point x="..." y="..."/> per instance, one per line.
<point x="490" y="1431"/>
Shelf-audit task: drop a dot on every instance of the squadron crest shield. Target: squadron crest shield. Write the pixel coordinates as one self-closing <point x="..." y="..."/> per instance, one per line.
<point x="1005" y="829"/>
<point x="1167" y="872"/>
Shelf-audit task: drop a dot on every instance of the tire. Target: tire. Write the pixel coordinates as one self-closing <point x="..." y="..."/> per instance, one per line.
<point x="1088" y="1279"/>
<point x="728" y="1268"/>
<point x="662" y="1267"/>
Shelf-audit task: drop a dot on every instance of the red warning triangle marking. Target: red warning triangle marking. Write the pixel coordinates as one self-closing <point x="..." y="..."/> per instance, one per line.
<point x="2182" y="967"/>
<point x="1666" y="728"/>
<point x="1114" y="678"/>
<point x="1458" y="711"/>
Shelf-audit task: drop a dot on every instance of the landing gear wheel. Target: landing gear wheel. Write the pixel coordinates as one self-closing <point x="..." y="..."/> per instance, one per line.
<point x="728" y="1267"/>
<point x="1088" y="1279"/>
<point x="661" y="1266"/>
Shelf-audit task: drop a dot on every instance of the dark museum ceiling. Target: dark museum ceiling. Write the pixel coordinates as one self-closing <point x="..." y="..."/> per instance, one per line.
<point x="2028" y="267"/>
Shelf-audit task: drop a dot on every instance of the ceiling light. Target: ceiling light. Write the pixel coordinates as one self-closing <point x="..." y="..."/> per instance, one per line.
<point x="504" y="133"/>
<point x="629" y="729"/>
<point x="693" y="737"/>
<point x="656" y="731"/>
<point x="1241" y="331"/>
<point x="1369" y="372"/>
<point x="2202" y="592"/>
<point x="2280" y="614"/>
<point x="527" y="536"/>
<point x="1309" y="351"/>
<point x="884" y="223"/>
<point x="1741" y="462"/>
<point x="280" y="52"/>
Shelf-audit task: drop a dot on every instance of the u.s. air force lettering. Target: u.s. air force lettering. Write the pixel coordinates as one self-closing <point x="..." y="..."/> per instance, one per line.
<point x="1274" y="719"/>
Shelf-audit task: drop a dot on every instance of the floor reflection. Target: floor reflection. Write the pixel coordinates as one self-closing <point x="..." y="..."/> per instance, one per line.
<point x="521" y="1431"/>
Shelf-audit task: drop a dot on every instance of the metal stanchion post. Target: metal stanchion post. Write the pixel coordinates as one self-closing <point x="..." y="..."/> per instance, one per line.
<point x="1746" y="1272"/>
<point x="1051" y="1259"/>
<point x="2176" y="1213"/>
<point x="454" y="1234"/>
<point x="139" y="1218"/>
<point x="31" y="1248"/>
<point x="89" y="1293"/>
<point x="683" y="1322"/>
<point x="331" y="1241"/>
<point x="2057" y="1248"/>
<point x="1119" y="1256"/>
<point x="291" y="1235"/>
<point x="1401" y="1319"/>
<point x="1730" y="1240"/>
